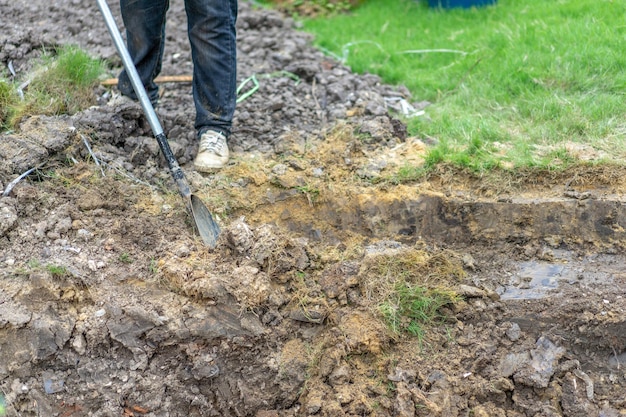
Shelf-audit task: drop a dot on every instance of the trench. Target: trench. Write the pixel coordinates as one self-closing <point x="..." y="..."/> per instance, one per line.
<point x="556" y="264"/>
<point x="577" y="253"/>
<point x="455" y="220"/>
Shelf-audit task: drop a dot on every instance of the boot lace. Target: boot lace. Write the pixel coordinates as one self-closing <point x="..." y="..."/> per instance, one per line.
<point x="213" y="142"/>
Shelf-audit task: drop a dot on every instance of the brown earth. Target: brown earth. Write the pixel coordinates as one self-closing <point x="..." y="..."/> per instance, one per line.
<point x="112" y="306"/>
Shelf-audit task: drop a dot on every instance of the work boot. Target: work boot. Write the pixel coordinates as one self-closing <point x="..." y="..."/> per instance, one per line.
<point x="212" y="153"/>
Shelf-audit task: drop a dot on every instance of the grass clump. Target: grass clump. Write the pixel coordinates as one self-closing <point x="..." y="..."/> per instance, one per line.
<point x="126" y="258"/>
<point x="8" y="96"/>
<point x="409" y="287"/>
<point x="57" y="271"/>
<point x="505" y="81"/>
<point x="411" y="308"/>
<point x="62" y="84"/>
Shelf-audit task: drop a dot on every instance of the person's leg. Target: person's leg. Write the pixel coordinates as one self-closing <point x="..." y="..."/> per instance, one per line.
<point x="145" y="36"/>
<point x="211" y="29"/>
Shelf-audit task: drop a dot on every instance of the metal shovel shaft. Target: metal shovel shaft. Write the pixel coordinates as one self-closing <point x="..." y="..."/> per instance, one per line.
<point x="206" y="226"/>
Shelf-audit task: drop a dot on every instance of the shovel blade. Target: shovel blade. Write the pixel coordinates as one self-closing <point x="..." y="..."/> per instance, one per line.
<point x="205" y="224"/>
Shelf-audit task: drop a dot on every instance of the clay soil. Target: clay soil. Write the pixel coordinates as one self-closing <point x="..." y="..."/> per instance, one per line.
<point x="111" y="305"/>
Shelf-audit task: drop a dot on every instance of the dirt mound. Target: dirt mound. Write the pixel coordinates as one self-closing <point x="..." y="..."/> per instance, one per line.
<point x="111" y="305"/>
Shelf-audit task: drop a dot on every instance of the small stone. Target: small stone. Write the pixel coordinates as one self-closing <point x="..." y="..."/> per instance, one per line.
<point x="83" y="234"/>
<point x="513" y="332"/>
<point x="469" y="291"/>
<point x="52" y="386"/>
<point x="80" y="344"/>
<point x="544" y="359"/>
<point x="205" y="368"/>
<point x="92" y="265"/>
<point x="63" y="225"/>
<point x="314" y="314"/>
<point x="183" y="251"/>
<point x="8" y="218"/>
<point x="279" y="169"/>
<point x="469" y="262"/>
<point x="297" y="165"/>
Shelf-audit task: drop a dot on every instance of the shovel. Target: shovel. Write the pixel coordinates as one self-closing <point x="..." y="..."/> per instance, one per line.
<point x="204" y="223"/>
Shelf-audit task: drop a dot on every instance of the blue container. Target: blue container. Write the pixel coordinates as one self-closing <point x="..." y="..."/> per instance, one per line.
<point x="449" y="4"/>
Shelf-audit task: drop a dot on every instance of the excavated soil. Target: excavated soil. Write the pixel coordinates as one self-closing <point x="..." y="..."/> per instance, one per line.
<point x="111" y="305"/>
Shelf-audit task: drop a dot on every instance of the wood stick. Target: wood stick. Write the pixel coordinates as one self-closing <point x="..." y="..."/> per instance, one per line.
<point x="160" y="79"/>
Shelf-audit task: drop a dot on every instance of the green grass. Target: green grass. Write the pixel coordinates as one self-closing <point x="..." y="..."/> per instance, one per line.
<point x="61" y="84"/>
<point x="57" y="271"/>
<point x="153" y="266"/>
<point x="126" y="258"/>
<point x="411" y="308"/>
<point x="409" y="288"/>
<point x="8" y="96"/>
<point x="510" y="84"/>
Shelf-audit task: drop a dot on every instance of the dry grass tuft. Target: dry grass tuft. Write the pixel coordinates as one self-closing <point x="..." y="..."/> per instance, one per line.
<point x="407" y="287"/>
<point x="382" y="272"/>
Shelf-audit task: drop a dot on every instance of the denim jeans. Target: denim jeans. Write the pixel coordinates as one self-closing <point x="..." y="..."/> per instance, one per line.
<point x="211" y="31"/>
